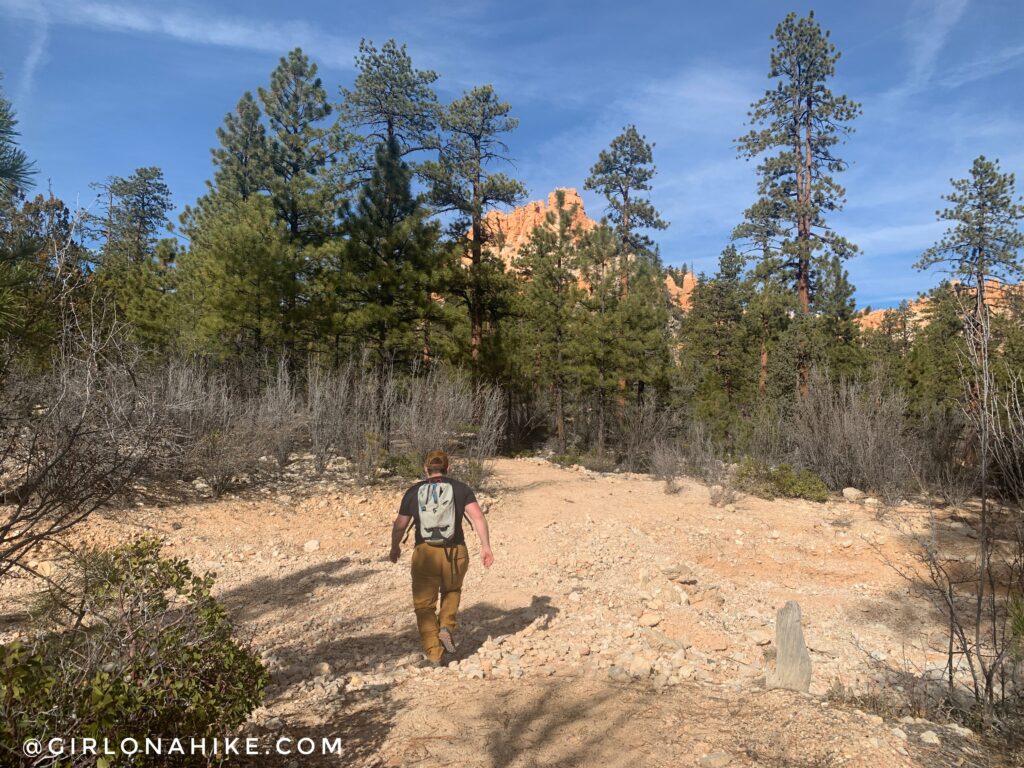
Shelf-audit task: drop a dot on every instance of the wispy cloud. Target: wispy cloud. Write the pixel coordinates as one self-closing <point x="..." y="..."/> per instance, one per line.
<point x="36" y="53"/>
<point x="195" y="27"/>
<point x="985" y="66"/>
<point x="931" y="23"/>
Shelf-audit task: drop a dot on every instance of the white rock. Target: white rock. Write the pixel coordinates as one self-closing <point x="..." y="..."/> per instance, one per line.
<point x="716" y="760"/>
<point x="311" y="546"/>
<point x="931" y="738"/>
<point x="853" y="494"/>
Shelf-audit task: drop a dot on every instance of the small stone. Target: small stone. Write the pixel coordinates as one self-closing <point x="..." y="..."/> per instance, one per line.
<point x="46" y="569"/>
<point x="871" y="502"/>
<point x="716" y="760"/>
<point x="681" y="574"/>
<point x="575" y="597"/>
<point x="638" y="667"/>
<point x="853" y="494"/>
<point x="311" y="546"/>
<point x="176" y="526"/>
<point x="931" y="738"/>
<point x="275" y="724"/>
<point x="774" y="535"/>
<point x="650" y="620"/>
<point x="899" y="733"/>
<point x="323" y="668"/>
<point x="760" y="637"/>
<point x="618" y="674"/>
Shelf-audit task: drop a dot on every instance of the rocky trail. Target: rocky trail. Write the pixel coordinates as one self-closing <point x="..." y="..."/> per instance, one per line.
<point x="618" y="626"/>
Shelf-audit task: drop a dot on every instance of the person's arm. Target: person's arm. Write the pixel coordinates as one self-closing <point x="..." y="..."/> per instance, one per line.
<point x="476" y="516"/>
<point x="398" y="530"/>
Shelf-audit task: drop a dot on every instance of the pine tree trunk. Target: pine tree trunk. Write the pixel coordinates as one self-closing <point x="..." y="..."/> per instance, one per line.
<point x="762" y="374"/>
<point x="476" y="309"/>
<point x="803" y="276"/>
<point x="559" y="415"/>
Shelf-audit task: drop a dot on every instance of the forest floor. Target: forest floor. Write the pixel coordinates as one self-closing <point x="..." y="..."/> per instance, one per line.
<point x="619" y="625"/>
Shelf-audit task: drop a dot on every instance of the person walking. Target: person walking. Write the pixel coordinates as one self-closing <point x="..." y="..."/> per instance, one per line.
<point x="436" y="507"/>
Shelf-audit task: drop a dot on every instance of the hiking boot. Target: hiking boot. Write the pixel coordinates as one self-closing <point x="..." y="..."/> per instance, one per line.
<point x="445" y="636"/>
<point x="428" y="663"/>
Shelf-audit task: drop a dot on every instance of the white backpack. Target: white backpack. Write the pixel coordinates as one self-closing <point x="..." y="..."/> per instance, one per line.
<point x="437" y="513"/>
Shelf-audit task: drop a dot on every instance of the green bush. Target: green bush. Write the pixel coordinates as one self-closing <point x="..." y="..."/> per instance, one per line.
<point x="755" y="478"/>
<point x="595" y="462"/>
<point x="767" y="482"/>
<point x="799" y="484"/>
<point x="129" y="644"/>
<point x="408" y="465"/>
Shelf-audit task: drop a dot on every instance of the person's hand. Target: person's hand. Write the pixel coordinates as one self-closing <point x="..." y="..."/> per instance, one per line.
<point x="487" y="557"/>
<point x="396" y="552"/>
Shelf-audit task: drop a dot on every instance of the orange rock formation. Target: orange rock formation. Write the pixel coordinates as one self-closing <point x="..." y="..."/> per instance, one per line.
<point x="509" y="232"/>
<point x="998" y="296"/>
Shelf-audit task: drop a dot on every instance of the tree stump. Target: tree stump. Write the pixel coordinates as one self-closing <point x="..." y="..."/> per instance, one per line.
<point x="792" y="661"/>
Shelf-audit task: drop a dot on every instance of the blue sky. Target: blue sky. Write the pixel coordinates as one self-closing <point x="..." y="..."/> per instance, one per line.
<point x="103" y="86"/>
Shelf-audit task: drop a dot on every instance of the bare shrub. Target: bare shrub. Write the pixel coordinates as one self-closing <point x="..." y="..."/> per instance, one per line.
<point x="279" y="415"/>
<point x="855" y="434"/>
<point x="703" y="459"/>
<point x="71" y="439"/>
<point x="489" y="422"/>
<point x="327" y="391"/>
<point x="770" y="441"/>
<point x="351" y="413"/>
<point x="435" y="410"/>
<point x="666" y="464"/>
<point x="215" y="430"/>
<point x="639" y="427"/>
<point x="945" y="468"/>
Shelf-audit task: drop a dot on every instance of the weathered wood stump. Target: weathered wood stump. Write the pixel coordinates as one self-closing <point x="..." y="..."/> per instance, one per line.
<point x="792" y="661"/>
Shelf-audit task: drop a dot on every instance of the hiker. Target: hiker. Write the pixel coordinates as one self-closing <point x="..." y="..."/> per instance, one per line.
<point x="435" y="508"/>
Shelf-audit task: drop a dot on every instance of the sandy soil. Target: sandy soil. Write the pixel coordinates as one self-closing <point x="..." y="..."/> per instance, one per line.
<point x="618" y="626"/>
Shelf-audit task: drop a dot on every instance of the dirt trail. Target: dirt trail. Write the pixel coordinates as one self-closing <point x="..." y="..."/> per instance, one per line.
<point x="619" y="625"/>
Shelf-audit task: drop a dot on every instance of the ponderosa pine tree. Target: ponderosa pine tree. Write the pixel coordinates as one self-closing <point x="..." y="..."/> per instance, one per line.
<point x="550" y="306"/>
<point x="715" y="348"/>
<point x="236" y="283"/>
<point x="389" y="100"/>
<point x="304" y="190"/>
<point x="836" y="333"/>
<point x="390" y="264"/>
<point x="601" y="364"/>
<point x="242" y="160"/>
<point x="15" y="168"/>
<point x="981" y="248"/>
<point x="797" y="125"/>
<point x="301" y="148"/>
<point x="135" y="215"/>
<point x="984" y="242"/>
<point x="461" y="181"/>
<point x="622" y="174"/>
<point x="771" y="298"/>
<point x="136" y="263"/>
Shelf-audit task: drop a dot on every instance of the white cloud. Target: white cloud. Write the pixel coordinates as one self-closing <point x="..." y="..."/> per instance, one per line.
<point x="930" y="24"/>
<point x="198" y="28"/>
<point x="986" y="66"/>
<point x="36" y="53"/>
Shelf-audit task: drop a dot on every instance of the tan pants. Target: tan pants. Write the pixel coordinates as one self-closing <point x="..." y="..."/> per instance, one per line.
<point x="437" y="570"/>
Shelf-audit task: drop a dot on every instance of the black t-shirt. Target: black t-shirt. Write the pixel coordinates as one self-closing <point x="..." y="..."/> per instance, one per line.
<point x="462" y="494"/>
